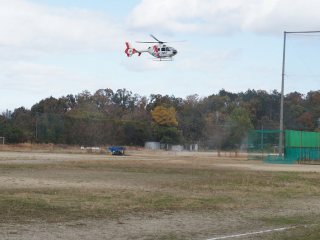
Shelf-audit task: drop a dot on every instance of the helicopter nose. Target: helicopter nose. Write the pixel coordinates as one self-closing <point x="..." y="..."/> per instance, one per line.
<point x="175" y="52"/>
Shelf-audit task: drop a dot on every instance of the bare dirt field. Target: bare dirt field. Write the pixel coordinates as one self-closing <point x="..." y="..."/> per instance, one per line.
<point x="154" y="195"/>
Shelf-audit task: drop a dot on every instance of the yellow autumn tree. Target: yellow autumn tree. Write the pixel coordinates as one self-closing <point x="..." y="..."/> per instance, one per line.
<point x="165" y="116"/>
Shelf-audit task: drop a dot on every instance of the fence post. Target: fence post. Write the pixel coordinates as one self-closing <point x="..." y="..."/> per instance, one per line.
<point x="318" y="145"/>
<point x="300" y="159"/>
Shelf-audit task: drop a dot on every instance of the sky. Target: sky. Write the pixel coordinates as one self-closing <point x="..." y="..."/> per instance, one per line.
<point x="60" y="47"/>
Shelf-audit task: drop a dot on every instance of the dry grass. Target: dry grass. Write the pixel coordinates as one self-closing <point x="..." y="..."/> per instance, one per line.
<point x="48" y="148"/>
<point x="171" y="188"/>
<point x="110" y="189"/>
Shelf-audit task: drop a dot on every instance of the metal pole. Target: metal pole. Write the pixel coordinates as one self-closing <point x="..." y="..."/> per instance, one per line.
<point x="262" y="141"/>
<point x="298" y="32"/>
<point x="36" y="127"/>
<point x="300" y="160"/>
<point x="282" y="97"/>
<point x="282" y="84"/>
<point x="318" y="134"/>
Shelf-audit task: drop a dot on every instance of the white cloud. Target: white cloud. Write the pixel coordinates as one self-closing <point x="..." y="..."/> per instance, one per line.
<point x="33" y="39"/>
<point x="38" y="28"/>
<point x="205" y="61"/>
<point x="143" y="63"/>
<point x="35" y="78"/>
<point x="221" y="16"/>
<point x="25" y="83"/>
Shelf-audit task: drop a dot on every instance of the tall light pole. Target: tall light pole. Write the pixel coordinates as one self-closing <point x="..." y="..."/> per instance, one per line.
<point x="282" y="84"/>
<point x="282" y="93"/>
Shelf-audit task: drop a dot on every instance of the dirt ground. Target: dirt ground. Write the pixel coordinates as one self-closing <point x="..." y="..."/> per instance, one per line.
<point x="200" y="159"/>
<point x="26" y="172"/>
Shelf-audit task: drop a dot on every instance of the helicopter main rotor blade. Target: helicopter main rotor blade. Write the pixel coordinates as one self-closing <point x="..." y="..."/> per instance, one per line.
<point x="146" y="42"/>
<point x="156" y="39"/>
<point x="177" y="41"/>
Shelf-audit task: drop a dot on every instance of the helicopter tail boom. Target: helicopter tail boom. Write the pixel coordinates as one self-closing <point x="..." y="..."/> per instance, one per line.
<point x="130" y="50"/>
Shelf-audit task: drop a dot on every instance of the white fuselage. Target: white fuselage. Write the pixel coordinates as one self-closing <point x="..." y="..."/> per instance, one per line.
<point x="162" y="51"/>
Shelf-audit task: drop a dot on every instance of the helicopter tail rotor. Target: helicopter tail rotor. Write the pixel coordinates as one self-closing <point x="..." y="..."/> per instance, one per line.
<point x="130" y="50"/>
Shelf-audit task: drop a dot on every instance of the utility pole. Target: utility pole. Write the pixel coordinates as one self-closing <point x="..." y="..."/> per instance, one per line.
<point x="36" y="128"/>
<point x="282" y="85"/>
<point x="282" y="93"/>
<point x="37" y="114"/>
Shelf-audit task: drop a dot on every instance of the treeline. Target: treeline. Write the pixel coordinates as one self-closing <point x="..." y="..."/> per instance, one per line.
<point x="219" y="121"/>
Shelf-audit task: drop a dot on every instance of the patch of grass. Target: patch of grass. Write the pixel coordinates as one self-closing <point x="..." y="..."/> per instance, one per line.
<point x="290" y="220"/>
<point x="169" y="236"/>
<point x="287" y="176"/>
<point x="311" y="232"/>
<point x="52" y="205"/>
<point x="57" y="205"/>
<point x="170" y="188"/>
<point x="306" y="227"/>
<point x="159" y="202"/>
<point x="15" y="208"/>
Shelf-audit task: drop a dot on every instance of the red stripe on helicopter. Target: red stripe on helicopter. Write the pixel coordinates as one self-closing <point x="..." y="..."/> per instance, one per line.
<point x="130" y="51"/>
<point x="127" y="49"/>
<point x="155" y="48"/>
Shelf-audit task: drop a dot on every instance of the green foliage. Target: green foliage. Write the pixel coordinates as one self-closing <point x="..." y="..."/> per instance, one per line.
<point x="165" y="125"/>
<point x="239" y="123"/>
<point x="190" y="118"/>
<point x="164" y="101"/>
<point x="11" y="133"/>
<point x="121" y="117"/>
<point x="22" y="119"/>
<point x="49" y="128"/>
<point x="165" y="134"/>
<point x="136" y="134"/>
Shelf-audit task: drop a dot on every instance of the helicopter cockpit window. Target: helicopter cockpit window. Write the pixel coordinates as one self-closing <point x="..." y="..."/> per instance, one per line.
<point x="167" y="49"/>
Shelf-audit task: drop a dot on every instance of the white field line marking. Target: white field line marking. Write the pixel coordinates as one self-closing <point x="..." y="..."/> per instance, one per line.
<point x="253" y="233"/>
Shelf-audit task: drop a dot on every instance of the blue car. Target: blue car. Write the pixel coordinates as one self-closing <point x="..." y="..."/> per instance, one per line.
<point x="115" y="150"/>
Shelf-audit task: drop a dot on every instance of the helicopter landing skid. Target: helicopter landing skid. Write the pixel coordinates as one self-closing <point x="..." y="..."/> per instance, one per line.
<point x="163" y="60"/>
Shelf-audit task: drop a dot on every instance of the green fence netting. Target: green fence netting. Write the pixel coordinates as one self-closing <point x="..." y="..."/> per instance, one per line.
<point x="299" y="146"/>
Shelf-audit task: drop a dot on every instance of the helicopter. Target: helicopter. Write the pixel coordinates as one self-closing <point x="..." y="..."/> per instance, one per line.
<point x="161" y="51"/>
